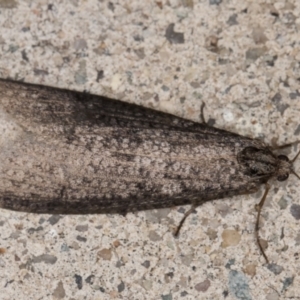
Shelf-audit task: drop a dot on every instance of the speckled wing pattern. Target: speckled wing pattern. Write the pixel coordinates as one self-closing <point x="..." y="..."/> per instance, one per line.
<point x="70" y="152"/>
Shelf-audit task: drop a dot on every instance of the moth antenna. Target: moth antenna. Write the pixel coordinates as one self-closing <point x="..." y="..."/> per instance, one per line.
<point x="294" y="159"/>
<point x="293" y="172"/>
<point x="285" y="145"/>
<point x="258" y="208"/>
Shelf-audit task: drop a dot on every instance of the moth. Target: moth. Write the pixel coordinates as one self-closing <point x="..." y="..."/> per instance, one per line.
<point x="65" y="152"/>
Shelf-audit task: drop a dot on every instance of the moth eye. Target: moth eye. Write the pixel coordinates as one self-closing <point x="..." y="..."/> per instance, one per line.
<point x="283" y="157"/>
<point x="283" y="177"/>
<point x="253" y="171"/>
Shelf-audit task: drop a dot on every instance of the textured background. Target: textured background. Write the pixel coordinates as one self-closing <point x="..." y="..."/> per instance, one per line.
<point x="243" y="59"/>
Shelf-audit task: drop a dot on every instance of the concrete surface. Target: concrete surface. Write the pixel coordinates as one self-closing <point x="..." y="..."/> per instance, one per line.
<point x="243" y="59"/>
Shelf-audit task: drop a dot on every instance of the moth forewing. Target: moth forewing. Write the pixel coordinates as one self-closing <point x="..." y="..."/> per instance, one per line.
<point x="64" y="152"/>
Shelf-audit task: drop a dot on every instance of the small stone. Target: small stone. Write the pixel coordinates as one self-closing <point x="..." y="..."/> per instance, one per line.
<point x="78" y="280"/>
<point x="215" y="2"/>
<point x="297" y="131"/>
<point x="113" y="294"/>
<point x="238" y="285"/>
<point x="259" y="36"/>
<point x="59" y="292"/>
<point x="166" y="297"/>
<point x="81" y="228"/>
<point x="153" y="236"/>
<point x="211" y="43"/>
<point x="283" y="203"/>
<point x="183" y="281"/>
<point x="295" y="211"/>
<point x="188" y="3"/>
<point x="8" y="4"/>
<point x="100" y="75"/>
<point x="119" y="263"/>
<point x="230" y="238"/>
<point x="54" y="219"/>
<point x="287" y="282"/>
<point x="74" y="245"/>
<point x="275" y="268"/>
<point x="174" y="37"/>
<point x="3" y="264"/>
<point x="40" y="72"/>
<point x="230" y="263"/>
<point x="140" y="53"/>
<point x="105" y="254"/>
<point x="46" y="258"/>
<point x="121" y="287"/>
<point x="232" y="20"/>
<point x="58" y="60"/>
<point x="146" y="264"/>
<point x="223" y="209"/>
<point x="203" y="286"/>
<point x="168" y="277"/>
<point x="81" y="238"/>
<point x="147" y="285"/>
<point x="80" y="74"/>
<point x="297" y="239"/>
<point x="64" y="248"/>
<point x="212" y="234"/>
<point x="254" y="53"/>
<point x="272" y="296"/>
<point x="184" y="293"/>
<point x="187" y="259"/>
<point x="277" y="100"/>
<point x="90" y="279"/>
<point x="250" y="270"/>
<point x="79" y="44"/>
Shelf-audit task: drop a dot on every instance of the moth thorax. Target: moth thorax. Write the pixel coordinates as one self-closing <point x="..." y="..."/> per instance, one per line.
<point x="284" y="168"/>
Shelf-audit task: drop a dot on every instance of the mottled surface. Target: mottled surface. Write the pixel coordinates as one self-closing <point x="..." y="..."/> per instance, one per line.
<point x="242" y="59"/>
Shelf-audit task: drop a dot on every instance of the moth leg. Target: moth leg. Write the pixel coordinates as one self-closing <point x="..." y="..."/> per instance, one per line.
<point x="258" y="208"/>
<point x="191" y="210"/>
<point x="202" y="116"/>
<point x="202" y="113"/>
<point x="285" y="145"/>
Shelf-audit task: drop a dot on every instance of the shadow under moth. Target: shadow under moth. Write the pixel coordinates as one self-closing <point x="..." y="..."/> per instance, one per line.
<point x="65" y="152"/>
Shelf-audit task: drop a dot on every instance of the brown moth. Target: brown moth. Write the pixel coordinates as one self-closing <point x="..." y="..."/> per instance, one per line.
<point x="64" y="152"/>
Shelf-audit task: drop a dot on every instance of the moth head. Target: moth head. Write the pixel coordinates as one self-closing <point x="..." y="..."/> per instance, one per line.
<point x="285" y="167"/>
<point x="264" y="164"/>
